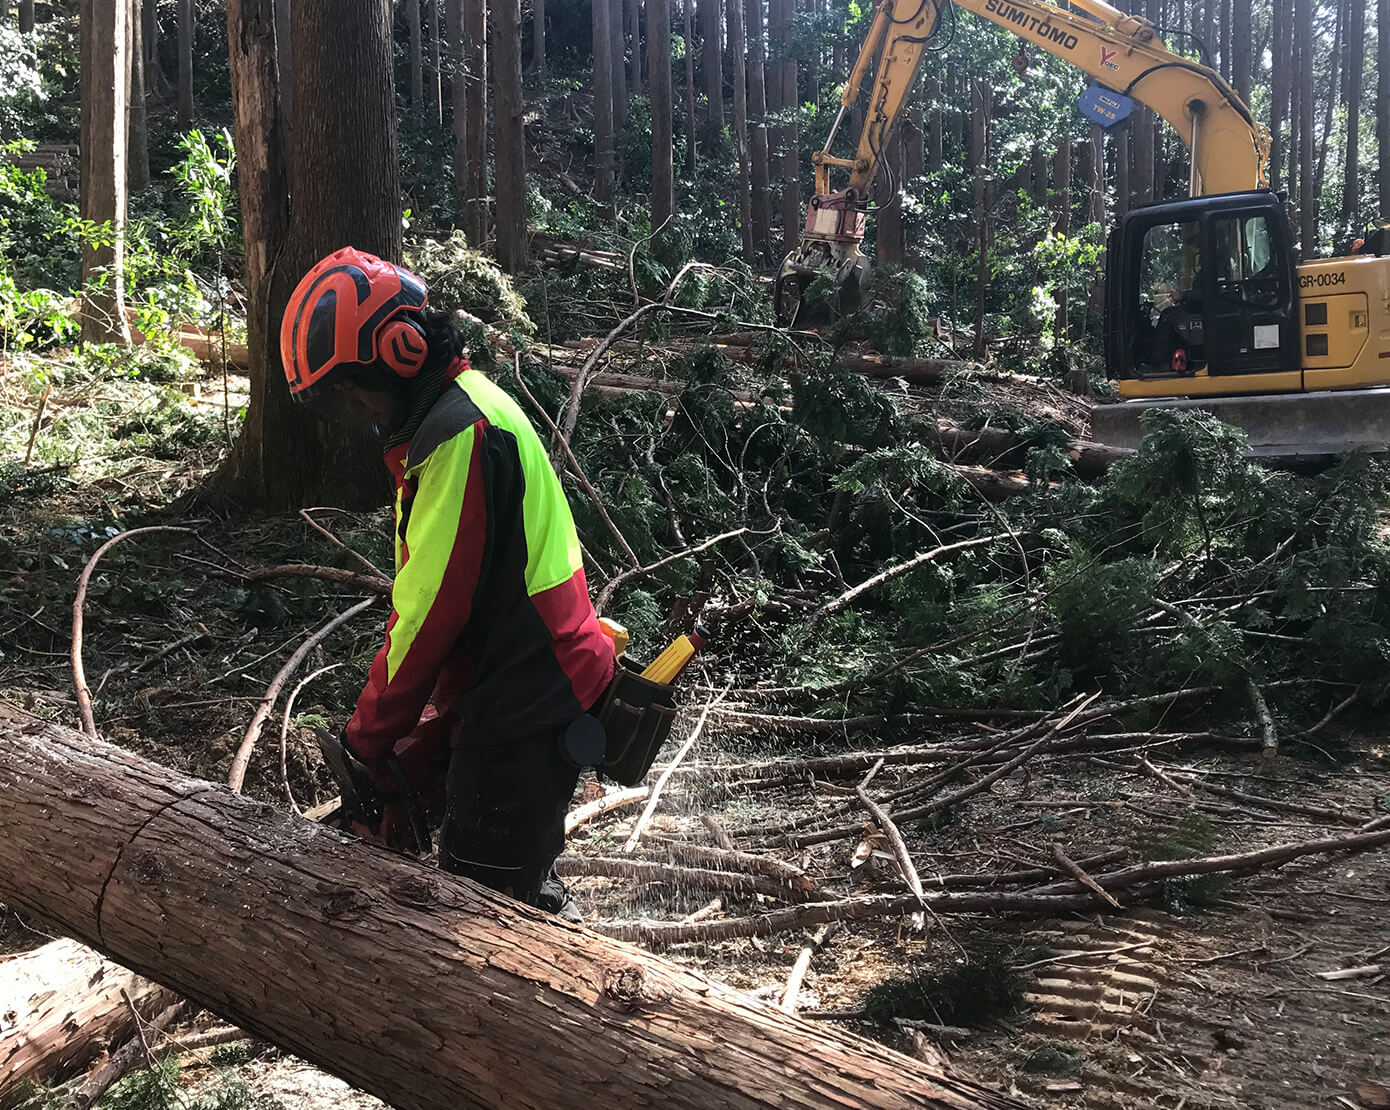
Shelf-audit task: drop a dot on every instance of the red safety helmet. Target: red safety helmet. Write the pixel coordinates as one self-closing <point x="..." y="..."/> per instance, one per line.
<point x="353" y="310"/>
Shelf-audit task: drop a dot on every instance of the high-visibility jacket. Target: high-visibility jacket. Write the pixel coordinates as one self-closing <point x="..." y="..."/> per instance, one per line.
<point x="490" y="609"/>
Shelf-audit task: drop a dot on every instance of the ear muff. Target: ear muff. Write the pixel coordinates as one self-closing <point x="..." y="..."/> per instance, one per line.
<point x="401" y="346"/>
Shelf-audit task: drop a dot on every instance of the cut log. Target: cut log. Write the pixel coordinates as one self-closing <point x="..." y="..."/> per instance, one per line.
<point x="61" y="1006"/>
<point x="421" y="988"/>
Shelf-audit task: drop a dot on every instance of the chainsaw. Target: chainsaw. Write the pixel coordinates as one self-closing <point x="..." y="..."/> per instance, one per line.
<point x="418" y="769"/>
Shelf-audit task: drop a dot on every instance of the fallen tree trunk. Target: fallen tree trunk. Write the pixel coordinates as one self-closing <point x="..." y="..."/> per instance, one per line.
<point x="61" y="1006"/>
<point x="321" y="944"/>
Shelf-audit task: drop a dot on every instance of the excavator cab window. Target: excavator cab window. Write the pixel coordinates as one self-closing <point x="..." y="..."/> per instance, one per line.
<point x="1170" y="335"/>
<point x="1202" y="286"/>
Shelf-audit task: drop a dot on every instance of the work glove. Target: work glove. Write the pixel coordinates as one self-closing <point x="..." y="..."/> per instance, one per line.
<point x="381" y="804"/>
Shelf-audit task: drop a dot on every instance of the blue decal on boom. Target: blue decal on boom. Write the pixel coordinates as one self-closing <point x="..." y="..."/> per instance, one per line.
<point x="1105" y="106"/>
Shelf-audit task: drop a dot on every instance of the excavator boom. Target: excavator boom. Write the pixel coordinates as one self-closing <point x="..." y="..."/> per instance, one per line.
<point x="1229" y="148"/>
<point x="1125" y="53"/>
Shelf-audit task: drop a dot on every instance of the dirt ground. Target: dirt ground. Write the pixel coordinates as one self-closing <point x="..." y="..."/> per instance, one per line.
<point x="1221" y="1005"/>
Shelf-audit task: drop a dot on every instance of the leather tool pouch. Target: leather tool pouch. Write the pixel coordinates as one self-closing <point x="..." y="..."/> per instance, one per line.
<point x="637" y="715"/>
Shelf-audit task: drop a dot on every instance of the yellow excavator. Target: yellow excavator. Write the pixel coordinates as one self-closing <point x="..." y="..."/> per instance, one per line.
<point x="1206" y="306"/>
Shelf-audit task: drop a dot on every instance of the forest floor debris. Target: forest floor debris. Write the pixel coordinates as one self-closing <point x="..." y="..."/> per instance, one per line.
<point x="994" y="785"/>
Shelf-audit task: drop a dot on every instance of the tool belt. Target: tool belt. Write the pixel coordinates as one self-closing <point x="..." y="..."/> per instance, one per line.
<point x="636" y="715"/>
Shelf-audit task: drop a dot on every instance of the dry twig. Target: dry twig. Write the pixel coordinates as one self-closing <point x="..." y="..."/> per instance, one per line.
<point x="655" y="796"/>
<point x="1072" y="868"/>
<point x="285" y="728"/>
<point x="616" y="799"/>
<point x="79" y="674"/>
<point x="237" y="774"/>
<point x="610" y="588"/>
<point x="321" y="530"/>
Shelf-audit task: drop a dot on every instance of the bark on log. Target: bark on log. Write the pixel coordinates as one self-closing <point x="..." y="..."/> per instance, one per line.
<point x="321" y="945"/>
<point x="61" y="1006"/>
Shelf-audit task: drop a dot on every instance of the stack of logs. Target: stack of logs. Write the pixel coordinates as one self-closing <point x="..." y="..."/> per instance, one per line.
<point x="60" y="161"/>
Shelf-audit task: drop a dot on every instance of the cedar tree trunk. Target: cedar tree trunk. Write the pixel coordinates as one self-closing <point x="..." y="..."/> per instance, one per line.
<point x="103" y="189"/>
<point x="60" y="1006"/>
<point x="417" y="986"/>
<point x="510" y="148"/>
<point x="603" y="110"/>
<point x="659" y="82"/>
<point x="476" y="60"/>
<point x="342" y="172"/>
<point x="737" y="52"/>
<point x="137" y="129"/>
<point x="186" y="28"/>
<point x="758" y="173"/>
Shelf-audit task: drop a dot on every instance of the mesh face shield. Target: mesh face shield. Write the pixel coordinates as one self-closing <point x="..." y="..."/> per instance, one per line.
<point x="334" y="398"/>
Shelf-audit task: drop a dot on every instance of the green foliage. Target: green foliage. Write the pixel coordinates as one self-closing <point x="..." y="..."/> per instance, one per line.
<point x="147" y="1089"/>
<point x="1098" y="606"/>
<point x="20" y="84"/>
<point x="1054" y="1058"/>
<point x="1193" y="836"/>
<point x="897" y="313"/>
<point x="973" y="991"/>
<point x="465" y="280"/>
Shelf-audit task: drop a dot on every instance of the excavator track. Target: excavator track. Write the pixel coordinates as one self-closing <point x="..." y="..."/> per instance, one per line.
<point x="1286" y="426"/>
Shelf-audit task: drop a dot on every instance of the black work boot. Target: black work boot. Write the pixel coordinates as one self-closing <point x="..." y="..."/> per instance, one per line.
<point x="554" y="897"/>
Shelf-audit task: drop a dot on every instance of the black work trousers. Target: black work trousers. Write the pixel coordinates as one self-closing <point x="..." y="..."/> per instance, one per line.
<point x="505" y="821"/>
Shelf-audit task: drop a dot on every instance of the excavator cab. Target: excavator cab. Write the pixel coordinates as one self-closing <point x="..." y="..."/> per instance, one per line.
<point x="1204" y="286"/>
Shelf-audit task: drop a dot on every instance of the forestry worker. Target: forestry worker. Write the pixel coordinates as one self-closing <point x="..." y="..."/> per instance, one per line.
<point x="491" y="617"/>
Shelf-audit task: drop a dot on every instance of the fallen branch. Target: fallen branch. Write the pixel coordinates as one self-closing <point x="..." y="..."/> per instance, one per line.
<point x="1187" y="783"/>
<point x="327" y="574"/>
<point x="1260" y="859"/>
<point x="611" y="587"/>
<point x="1042" y="901"/>
<point x="947" y="801"/>
<point x="571" y="416"/>
<point x="1336" y="711"/>
<point x="321" y="530"/>
<point x="237" y="774"/>
<point x="730" y="859"/>
<point x="895" y="838"/>
<point x="38" y="419"/>
<point x="636" y="834"/>
<point x="803" y="965"/>
<point x="660" y="934"/>
<point x="582" y="815"/>
<point x="121" y="1062"/>
<point x="686" y="878"/>
<point x="1266" y="719"/>
<point x="709" y="909"/>
<point x="79" y="674"/>
<point x="848" y="597"/>
<point x="1072" y="868"/>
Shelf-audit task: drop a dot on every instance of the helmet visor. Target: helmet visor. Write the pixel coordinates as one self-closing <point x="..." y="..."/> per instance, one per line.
<point x="345" y="401"/>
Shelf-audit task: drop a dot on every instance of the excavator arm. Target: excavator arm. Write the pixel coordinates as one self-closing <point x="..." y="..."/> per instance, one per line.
<point x="1229" y="148"/>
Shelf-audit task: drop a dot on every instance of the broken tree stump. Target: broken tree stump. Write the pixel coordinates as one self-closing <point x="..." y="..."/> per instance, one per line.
<point x="421" y="988"/>
<point x="61" y="1006"/>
